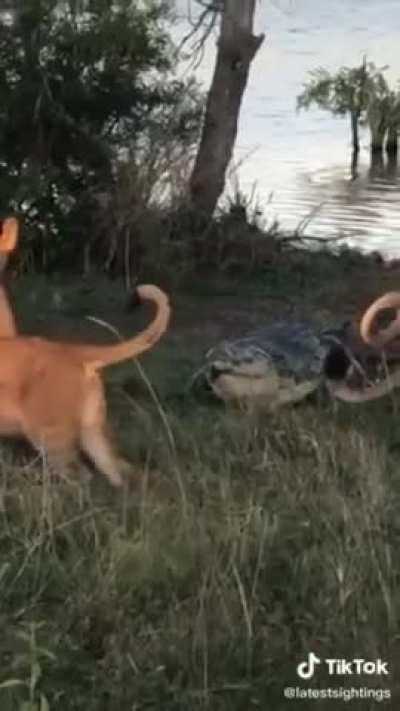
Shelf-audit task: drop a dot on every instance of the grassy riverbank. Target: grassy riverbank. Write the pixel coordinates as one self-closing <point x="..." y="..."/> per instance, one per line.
<point x="244" y="544"/>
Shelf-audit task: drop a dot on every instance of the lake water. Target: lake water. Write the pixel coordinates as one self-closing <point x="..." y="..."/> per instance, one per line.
<point x="300" y="163"/>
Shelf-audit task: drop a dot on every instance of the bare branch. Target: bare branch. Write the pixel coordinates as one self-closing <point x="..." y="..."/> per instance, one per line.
<point x="204" y="25"/>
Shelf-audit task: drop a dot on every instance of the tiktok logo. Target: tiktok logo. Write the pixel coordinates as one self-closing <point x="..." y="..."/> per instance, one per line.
<point x="343" y="667"/>
<point x="306" y="669"/>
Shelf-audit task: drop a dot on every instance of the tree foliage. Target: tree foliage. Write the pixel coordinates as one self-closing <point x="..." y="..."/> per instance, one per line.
<point x="339" y="93"/>
<point x="81" y="83"/>
<point x="362" y="92"/>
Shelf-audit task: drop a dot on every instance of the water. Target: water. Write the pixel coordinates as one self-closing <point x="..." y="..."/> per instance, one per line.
<point x="303" y="160"/>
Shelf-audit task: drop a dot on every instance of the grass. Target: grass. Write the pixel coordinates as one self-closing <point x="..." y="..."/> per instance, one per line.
<point x="248" y="542"/>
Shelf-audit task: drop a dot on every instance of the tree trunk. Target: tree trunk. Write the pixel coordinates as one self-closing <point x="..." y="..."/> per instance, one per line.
<point x="355" y="115"/>
<point x="237" y="47"/>
<point x="354" y="133"/>
<point x="392" y="143"/>
<point x="354" y="164"/>
<point x="377" y="167"/>
<point x="378" y="131"/>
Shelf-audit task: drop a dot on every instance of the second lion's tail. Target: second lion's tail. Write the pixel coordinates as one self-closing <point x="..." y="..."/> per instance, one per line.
<point x="391" y="300"/>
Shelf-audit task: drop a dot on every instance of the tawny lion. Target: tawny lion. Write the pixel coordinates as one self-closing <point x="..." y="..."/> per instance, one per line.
<point x="51" y="392"/>
<point x="8" y="242"/>
<point x="383" y="338"/>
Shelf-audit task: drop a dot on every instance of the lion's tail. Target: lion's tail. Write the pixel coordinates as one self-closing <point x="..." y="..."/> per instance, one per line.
<point x="391" y="300"/>
<point x="95" y="357"/>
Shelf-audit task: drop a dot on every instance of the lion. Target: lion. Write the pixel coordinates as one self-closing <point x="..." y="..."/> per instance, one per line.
<point x="383" y="340"/>
<point x="8" y="243"/>
<point x="51" y="392"/>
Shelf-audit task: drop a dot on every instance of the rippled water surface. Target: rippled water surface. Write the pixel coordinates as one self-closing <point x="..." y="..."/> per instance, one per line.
<point x="303" y="160"/>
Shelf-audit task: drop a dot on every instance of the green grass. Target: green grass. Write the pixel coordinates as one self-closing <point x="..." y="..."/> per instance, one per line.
<point x="248" y="541"/>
